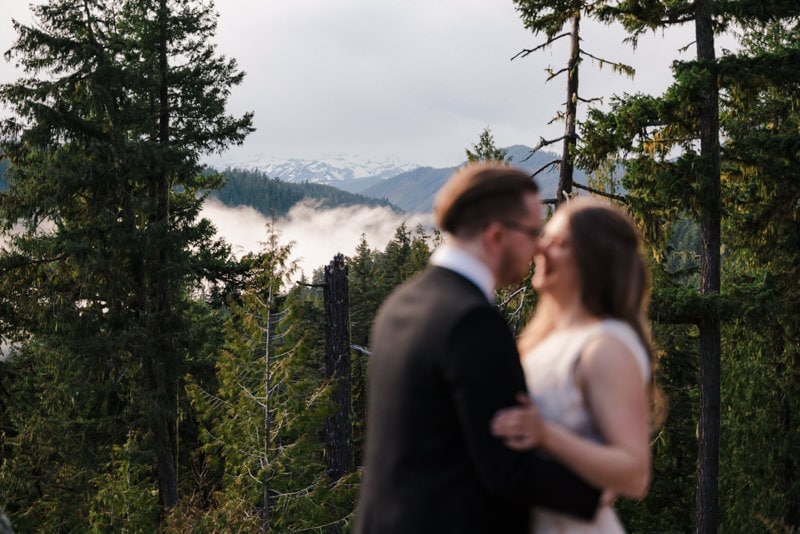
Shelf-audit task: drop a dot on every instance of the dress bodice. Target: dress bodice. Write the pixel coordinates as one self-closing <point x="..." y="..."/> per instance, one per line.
<point x="550" y="376"/>
<point x="550" y="372"/>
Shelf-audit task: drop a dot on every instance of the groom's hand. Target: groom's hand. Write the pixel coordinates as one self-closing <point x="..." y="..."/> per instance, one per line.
<point x="520" y="427"/>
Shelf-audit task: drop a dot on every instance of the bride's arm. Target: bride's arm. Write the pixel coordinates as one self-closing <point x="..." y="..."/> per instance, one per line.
<point x="616" y="396"/>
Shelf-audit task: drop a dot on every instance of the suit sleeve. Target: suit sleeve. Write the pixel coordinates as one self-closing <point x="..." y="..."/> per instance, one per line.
<point x="483" y="370"/>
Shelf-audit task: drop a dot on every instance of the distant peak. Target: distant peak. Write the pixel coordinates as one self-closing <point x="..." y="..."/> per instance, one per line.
<point x="330" y="168"/>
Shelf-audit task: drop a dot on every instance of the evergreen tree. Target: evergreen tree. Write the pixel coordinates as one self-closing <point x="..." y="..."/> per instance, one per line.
<point x="395" y="262"/>
<point x="365" y="298"/>
<point x="104" y="141"/>
<point x="664" y="189"/>
<point x="762" y="189"/>
<point x="550" y="18"/>
<point x="265" y="422"/>
<point x="373" y="276"/>
<point x="486" y="150"/>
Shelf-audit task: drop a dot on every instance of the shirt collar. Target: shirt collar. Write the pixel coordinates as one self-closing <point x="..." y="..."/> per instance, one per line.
<point x="467" y="265"/>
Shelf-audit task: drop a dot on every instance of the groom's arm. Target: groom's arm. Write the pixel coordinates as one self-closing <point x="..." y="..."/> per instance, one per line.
<point x="560" y="489"/>
<point x="483" y="370"/>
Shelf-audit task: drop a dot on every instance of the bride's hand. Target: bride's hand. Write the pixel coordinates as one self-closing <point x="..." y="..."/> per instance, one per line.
<point x="521" y="427"/>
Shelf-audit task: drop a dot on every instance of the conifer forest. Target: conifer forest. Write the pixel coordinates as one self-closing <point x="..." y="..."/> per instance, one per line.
<point x="152" y="381"/>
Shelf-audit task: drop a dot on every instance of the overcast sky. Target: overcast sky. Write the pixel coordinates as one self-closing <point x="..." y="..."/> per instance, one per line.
<point x="413" y="79"/>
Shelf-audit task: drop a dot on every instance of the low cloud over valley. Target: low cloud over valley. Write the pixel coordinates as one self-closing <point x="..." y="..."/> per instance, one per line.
<point x="318" y="234"/>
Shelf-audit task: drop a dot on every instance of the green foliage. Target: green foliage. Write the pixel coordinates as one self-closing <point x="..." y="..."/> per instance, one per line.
<point x="263" y="423"/>
<point x="671" y="499"/>
<point x="104" y="248"/>
<point x="126" y="498"/>
<point x="759" y="476"/>
<point x="640" y="16"/>
<point x="397" y="264"/>
<point x="760" y="118"/>
<point x="486" y="150"/>
<point x="666" y="178"/>
<point x="550" y="17"/>
<point x="56" y="435"/>
<point x="373" y="275"/>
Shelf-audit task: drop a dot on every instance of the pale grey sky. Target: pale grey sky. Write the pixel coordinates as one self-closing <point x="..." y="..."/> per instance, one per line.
<point x="413" y="79"/>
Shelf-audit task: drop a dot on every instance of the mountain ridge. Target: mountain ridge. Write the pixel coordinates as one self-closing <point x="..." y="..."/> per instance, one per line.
<point x="414" y="191"/>
<point x="330" y="170"/>
<point x="409" y="187"/>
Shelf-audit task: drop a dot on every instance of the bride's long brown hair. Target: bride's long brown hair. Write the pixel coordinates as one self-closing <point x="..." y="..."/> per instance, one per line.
<point x="613" y="277"/>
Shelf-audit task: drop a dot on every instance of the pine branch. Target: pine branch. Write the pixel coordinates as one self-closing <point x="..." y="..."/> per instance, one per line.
<point x="511" y="296"/>
<point x="543" y="143"/>
<point x="528" y="51"/>
<point x="332" y="523"/>
<point x="551" y="74"/>
<point x="600" y="193"/>
<point x="616" y="65"/>
<point x="559" y="117"/>
<point x="543" y="167"/>
<point x="362" y="350"/>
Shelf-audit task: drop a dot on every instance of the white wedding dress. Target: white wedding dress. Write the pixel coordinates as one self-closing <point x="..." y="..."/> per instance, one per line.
<point x="549" y="372"/>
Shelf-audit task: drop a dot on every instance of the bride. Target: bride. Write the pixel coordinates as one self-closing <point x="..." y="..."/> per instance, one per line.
<point x="587" y="360"/>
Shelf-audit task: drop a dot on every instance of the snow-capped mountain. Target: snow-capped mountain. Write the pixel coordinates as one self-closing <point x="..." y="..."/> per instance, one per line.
<point x="329" y="170"/>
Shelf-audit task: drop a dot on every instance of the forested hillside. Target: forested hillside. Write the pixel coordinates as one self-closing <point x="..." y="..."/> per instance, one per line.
<point x="274" y="197"/>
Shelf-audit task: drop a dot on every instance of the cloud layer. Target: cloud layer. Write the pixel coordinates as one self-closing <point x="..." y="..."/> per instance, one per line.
<point x="316" y="235"/>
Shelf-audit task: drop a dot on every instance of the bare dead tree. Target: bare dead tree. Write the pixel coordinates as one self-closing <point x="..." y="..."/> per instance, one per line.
<point x="569" y="114"/>
<point x="338" y="427"/>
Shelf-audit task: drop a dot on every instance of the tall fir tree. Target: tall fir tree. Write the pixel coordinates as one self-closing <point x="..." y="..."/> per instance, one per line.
<point x="373" y="276"/>
<point x="101" y="215"/>
<point x="673" y="170"/>
<point x="761" y="188"/>
<point x="365" y="297"/>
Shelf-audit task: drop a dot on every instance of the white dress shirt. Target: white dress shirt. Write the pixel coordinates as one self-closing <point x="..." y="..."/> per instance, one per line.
<point x="467" y="265"/>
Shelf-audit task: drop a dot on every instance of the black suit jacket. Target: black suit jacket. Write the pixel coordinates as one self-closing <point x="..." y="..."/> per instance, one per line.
<point x="443" y="362"/>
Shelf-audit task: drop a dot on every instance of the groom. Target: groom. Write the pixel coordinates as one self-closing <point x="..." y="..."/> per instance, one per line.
<point x="443" y="362"/>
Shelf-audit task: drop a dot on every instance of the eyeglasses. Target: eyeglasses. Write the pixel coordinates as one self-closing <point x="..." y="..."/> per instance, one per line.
<point x="534" y="232"/>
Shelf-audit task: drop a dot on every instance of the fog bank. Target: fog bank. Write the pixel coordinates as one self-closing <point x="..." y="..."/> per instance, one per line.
<point x="317" y="234"/>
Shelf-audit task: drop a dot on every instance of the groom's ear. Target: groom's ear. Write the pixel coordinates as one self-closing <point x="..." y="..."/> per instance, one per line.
<point x="492" y="237"/>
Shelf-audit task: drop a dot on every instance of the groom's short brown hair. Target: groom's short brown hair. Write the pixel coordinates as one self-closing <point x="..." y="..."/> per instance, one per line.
<point x="480" y="193"/>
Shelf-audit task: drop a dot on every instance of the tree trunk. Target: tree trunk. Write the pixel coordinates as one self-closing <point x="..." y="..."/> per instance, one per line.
<point x="338" y="427"/>
<point x="267" y="348"/>
<point x="164" y="432"/>
<point x="570" y="116"/>
<point x="708" y="445"/>
<point x="785" y="376"/>
<point x="339" y="435"/>
<point x="161" y="285"/>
